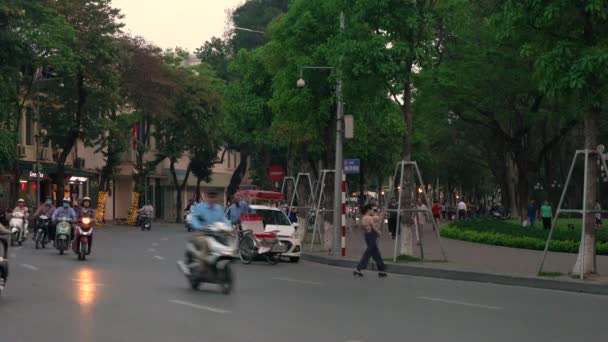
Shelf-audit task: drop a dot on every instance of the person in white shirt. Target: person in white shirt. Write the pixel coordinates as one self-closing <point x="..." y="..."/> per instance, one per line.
<point x="462" y="210"/>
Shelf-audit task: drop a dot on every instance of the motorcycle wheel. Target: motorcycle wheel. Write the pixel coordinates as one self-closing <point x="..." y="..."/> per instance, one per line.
<point x="246" y="250"/>
<point x="272" y="259"/>
<point x="82" y="251"/>
<point x="194" y="284"/>
<point x="227" y="281"/>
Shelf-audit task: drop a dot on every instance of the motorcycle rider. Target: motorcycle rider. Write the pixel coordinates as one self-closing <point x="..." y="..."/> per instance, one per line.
<point x="205" y="214"/>
<point x="239" y="207"/>
<point x="64" y="211"/>
<point x="85" y="210"/>
<point x="22" y="209"/>
<point x="46" y="209"/>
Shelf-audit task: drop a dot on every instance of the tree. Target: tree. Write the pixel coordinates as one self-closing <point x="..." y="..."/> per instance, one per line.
<point x="76" y="111"/>
<point x="32" y="35"/>
<point x="191" y="131"/>
<point x="147" y="87"/>
<point x="570" y="57"/>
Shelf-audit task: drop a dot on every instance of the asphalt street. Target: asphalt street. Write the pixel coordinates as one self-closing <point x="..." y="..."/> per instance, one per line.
<point x="129" y="289"/>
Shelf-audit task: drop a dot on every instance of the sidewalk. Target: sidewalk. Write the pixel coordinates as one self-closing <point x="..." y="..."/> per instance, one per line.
<point x="476" y="262"/>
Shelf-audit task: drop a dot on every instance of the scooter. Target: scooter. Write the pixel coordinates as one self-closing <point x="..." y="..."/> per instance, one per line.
<point x="215" y="266"/>
<point x="82" y="238"/>
<point x="145" y="222"/>
<point x="265" y="244"/>
<point x="188" y="220"/>
<point x="41" y="236"/>
<point x="3" y="262"/>
<point x="63" y="234"/>
<point x="18" y="226"/>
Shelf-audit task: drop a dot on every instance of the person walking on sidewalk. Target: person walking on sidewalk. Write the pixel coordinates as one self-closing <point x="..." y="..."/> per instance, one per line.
<point x="392" y="218"/>
<point x="532" y="213"/>
<point x="546" y="212"/>
<point x="371" y="224"/>
<point x="462" y="210"/>
<point x="436" y="212"/>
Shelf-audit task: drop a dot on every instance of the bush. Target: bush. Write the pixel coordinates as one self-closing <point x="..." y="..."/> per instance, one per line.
<point x="517" y="239"/>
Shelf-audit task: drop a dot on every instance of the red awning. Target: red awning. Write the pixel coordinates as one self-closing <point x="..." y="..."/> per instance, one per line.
<point x="261" y="195"/>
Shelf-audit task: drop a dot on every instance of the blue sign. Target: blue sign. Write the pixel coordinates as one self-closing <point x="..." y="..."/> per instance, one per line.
<point x="352" y="166"/>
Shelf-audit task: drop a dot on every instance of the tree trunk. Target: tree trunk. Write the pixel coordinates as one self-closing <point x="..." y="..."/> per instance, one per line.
<point x="511" y="172"/>
<point x="591" y="142"/>
<point x="408" y="188"/>
<point x="197" y="197"/>
<point x="179" y="188"/>
<point x="523" y="185"/>
<point x="239" y="173"/>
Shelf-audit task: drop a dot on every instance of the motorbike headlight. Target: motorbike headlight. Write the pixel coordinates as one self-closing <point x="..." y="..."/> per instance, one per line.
<point x="86" y="220"/>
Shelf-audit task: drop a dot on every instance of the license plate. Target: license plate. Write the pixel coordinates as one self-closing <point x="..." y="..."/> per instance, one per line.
<point x="62" y="237"/>
<point x="279" y="249"/>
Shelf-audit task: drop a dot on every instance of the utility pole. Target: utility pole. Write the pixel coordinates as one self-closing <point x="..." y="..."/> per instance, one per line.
<point x="337" y="221"/>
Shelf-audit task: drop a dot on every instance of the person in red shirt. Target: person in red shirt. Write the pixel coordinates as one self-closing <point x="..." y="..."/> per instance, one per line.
<point x="436" y="211"/>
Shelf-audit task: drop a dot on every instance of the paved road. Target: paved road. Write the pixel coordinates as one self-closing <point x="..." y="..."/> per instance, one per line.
<point x="130" y="290"/>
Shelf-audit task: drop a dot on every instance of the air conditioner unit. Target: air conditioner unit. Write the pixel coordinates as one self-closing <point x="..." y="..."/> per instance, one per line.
<point x="79" y="163"/>
<point x="47" y="154"/>
<point x="21" y="150"/>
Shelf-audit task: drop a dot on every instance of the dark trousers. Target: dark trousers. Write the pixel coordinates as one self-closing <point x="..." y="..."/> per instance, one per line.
<point x="372" y="251"/>
<point x="462" y="214"/>
<point x="392" y="226"/>
<point x="546" y="222"/>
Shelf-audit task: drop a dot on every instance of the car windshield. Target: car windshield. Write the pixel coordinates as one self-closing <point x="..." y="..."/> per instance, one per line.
<point x="273" y="217"/>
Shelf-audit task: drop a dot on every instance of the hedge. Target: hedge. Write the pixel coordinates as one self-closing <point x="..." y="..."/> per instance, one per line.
<point x="519" y="240"/>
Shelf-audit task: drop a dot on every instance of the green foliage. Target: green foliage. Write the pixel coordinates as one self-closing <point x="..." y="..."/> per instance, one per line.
<point x="511" y="234"/>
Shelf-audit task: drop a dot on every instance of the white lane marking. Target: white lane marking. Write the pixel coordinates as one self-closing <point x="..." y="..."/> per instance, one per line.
<point x="200" y="307"/>
<point x="30" y="267"/>
<point x="151" y="250"/>
<point x="457" y="302"/>
<point x="86" y="282"/>
<point x="291" y="280"/>
<point x="159" y="257"/>
<point x="165" y="239"/>
<point x="155" y="244"/>
<point x="18" y="248"/>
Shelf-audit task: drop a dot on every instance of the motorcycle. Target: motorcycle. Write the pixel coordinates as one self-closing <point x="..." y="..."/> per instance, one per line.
<point x="145" y="222"/>
<point x="221" y="247"/>
<point x="188" y="220"/>
<point x="265" y="244"/>
<point x="3" y="262"/>
<point x="18" y="226"/>
<point x="41" y="236"/>
<point x="82" y="240"/>
<point x="63" y="234"/>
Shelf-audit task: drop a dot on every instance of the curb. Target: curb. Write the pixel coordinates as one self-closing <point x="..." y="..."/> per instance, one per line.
<point x="493" y="278"/>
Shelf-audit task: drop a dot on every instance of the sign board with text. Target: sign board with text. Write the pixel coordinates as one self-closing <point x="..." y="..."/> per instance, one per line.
<point x="352" y="166"/>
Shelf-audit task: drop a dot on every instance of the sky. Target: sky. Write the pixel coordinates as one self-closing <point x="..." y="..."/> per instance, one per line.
<point x="170" y="23"/>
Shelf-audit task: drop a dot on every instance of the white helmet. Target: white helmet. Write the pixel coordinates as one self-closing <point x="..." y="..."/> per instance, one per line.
<point x="21" y="200"/>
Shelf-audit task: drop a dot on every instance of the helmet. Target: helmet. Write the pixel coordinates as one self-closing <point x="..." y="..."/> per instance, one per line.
<point x="67" y="200"/>
<point x="86" y="199"/>
<point x="21" y="200"/>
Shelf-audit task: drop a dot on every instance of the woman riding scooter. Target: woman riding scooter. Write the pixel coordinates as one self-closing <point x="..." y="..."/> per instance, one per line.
<point x="85" y="210"/>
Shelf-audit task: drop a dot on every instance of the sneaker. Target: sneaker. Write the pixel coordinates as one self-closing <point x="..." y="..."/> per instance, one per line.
<point x="382" y="275"/>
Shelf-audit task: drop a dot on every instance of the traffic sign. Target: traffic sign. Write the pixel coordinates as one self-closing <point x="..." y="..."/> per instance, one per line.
<point x="352" y="166"/>
<point x="276" y="173"/>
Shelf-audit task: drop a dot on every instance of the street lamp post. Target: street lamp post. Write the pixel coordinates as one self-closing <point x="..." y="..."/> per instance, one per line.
<point x="337" y="208"/>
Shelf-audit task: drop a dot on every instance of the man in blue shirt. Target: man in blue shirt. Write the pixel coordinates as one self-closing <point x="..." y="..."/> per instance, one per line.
<point x="64" y="211"/>
<point x="239" y="207"/>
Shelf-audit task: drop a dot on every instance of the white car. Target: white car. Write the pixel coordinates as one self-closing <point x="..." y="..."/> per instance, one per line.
<point x="274" y="219"/>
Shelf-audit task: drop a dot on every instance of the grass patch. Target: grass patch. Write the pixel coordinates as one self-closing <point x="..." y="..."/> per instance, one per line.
<point x="511" y="234"/>
<point x="550" y="274"/>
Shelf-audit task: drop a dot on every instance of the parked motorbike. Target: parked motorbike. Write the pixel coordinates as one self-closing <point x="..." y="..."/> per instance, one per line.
<point x="265" y="244"/>
<point x="63" y="234"/>
<point x="215" y="266"/>
<point x="18" y="225"/>
<point x="82" y="237"/>
<point x="3" y="262"/>
<point x="41" y="236"/>
<point x="499" y="212"/>
<point x="188" y="220"/>
<point x="145" y="222"/>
